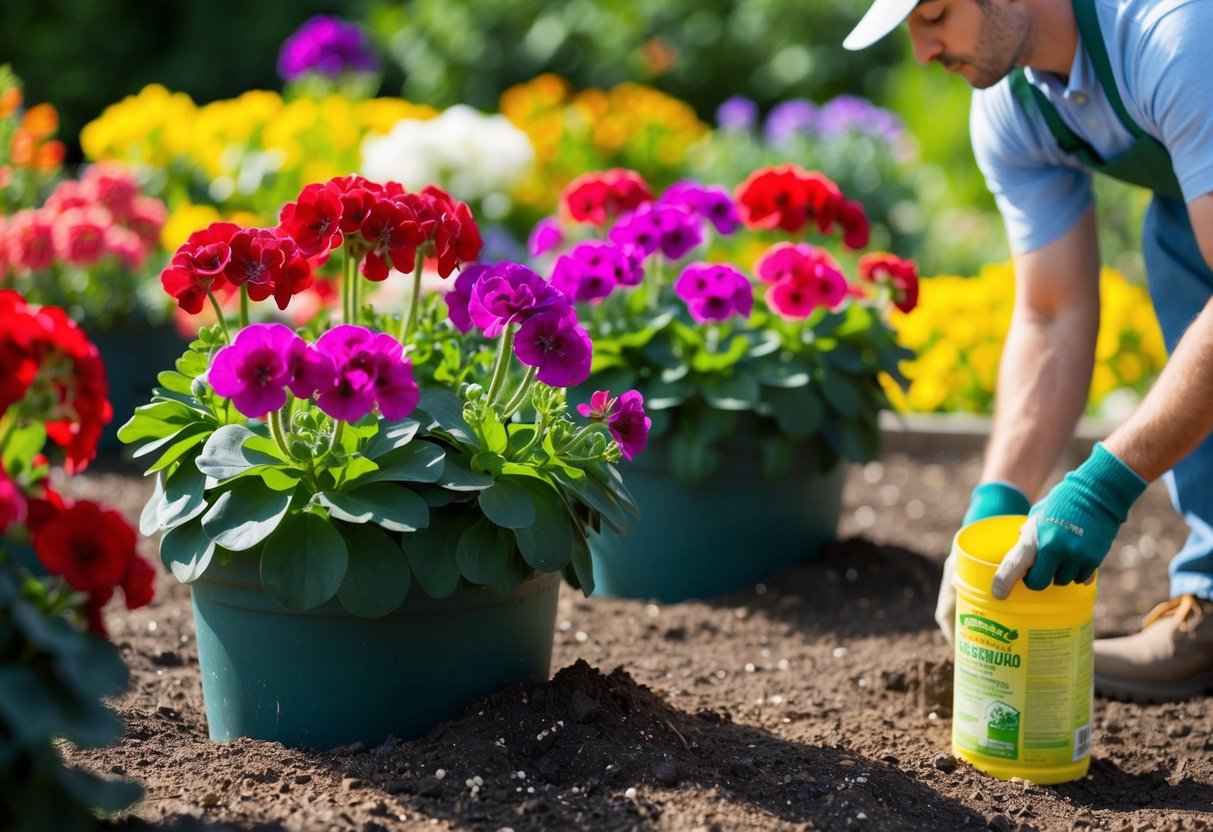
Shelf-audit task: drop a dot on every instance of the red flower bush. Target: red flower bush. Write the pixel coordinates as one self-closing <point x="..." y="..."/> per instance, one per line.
<point x="54" y="386"/>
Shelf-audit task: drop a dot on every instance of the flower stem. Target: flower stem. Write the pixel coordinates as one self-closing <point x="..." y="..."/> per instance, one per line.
<point x="524" y="393"/>
<point x="244" y="306"/>
<point x="501" y="367"/>
<point x="227" y="336"/>
<point x="347" y="287"/>
<point x="410" y="319"/>
<point x="278" y="431"/>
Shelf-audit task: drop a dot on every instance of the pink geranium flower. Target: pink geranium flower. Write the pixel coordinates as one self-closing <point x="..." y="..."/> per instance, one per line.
<point x="554" y="342"/>
<point x="255" y="370"/>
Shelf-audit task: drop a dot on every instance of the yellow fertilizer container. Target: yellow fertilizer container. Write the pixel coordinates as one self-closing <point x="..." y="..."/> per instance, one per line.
<point x="1022" y="693"/>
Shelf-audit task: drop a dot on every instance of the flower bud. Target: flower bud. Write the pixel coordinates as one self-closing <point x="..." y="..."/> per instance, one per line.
<point x="198" y="388"/>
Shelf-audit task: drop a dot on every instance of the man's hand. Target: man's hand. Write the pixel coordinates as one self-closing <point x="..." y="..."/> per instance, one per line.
<point x="990" y="499"/>
<point x="1070" y="531"/>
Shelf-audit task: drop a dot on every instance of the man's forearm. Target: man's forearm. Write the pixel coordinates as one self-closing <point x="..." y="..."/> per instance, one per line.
<point x="1043" y="384"/>
<point x="1177" y="413"/>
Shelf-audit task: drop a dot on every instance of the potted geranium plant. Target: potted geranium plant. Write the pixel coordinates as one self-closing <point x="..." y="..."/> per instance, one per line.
<point x="373" y="512"/>
<point x="61" y="562"/>
<point x="759" y="362"/>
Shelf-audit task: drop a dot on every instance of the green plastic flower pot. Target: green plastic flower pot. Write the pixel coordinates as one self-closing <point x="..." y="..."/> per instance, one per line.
<point x="718" y="536"/>
<point x="323" y="678"/>
<point x="133" y="355"/>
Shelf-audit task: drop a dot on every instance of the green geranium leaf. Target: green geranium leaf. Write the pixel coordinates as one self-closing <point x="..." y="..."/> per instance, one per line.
<point x="714" y="362"/>
<point x="377" y="576"/>
<point x="583" y="564"/>
<point x="157" y="420"/>
<point x="433" y="552"/>
<point x="660" y="395"/>
<point x="842" y="393"/>
<point x="417" y="461"/>
<point x="174" y="382"/>
<point x="149" y="518"/>
<point x="20" y="445"/>
<point x="662" y="353"/>
<point x="445" y="410"/>
<point x="507" y="503"/>
<point x="516" y="571"/>
<point x="787" y="373"/>
<point x="182" y="443"/>
<point x="183" y="497"/>
<point x="224" y="455"/>
<point x="847" y="357"/>
<point x="735" y="392"/>
<point x="597" y="497"/>
<point x="546" y="544"/>
<point x="394" y="507"/>
<point x="458" y="476"/>
<point x="797" y="410"/>
<point x="489" y="462"/>
<point x="495" y="437"/>
<point x="484" y="550"/>
<point x="33" y="711"/>
<point x="186" y="551"/>
<point x="245" y="515"/>
<point x="392" y="435"/>
<point x="829" y="324"/>
<point x="304" y="562"/>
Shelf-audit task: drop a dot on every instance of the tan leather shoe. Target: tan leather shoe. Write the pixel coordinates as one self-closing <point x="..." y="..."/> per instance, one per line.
<point x="1170" y="659"/>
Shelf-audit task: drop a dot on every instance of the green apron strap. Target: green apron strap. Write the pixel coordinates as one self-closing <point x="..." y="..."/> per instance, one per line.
<point x="1092" y="39"/>
<point x="1030" y="97"/>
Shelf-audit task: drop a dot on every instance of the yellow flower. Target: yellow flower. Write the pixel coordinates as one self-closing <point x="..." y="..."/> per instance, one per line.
<point x="185" y="220"/>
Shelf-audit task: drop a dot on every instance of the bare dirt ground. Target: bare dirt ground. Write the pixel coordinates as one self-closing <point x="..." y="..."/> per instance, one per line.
<point x="819" y="699"/>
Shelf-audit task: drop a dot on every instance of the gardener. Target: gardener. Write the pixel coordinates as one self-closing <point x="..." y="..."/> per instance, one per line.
<point x="1119" y="87"/>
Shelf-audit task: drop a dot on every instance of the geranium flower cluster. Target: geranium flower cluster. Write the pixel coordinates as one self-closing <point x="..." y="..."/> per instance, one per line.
<point x="788" y="197"/>
<point x="381" y="226"/>
<point x="83" y="222"/>
<point x="54" y="385"/>
<point x="624" y="416"/>
<point x="549" y="336"/>
<point x="328" y="46"/>
<point x="799" y="277"/>
<point x="26" y="143"/>
<point x="349" y="371"/>
<point x="52" y="374"/>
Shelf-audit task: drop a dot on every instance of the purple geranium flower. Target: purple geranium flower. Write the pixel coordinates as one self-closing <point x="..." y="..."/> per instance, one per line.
<point x="592" y="270"/>
<point x="737" y="114"/>
<point x="257" y="367"/>
<point x="459" y="295"/>
<point x="789" y="118"/>
<point x="509" y="293"/>
<point x="328" y="46"/>
<point x="712" y="202"/>
<point x="545" y="236"/>
<point x="629" y="425"/>
<point x="554" y="342"/>
<point x="850" y="112"/>
<point x="671" y="229"/>
<point x="714" y="291"/>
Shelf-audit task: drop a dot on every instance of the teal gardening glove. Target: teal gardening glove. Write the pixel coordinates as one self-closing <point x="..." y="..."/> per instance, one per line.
<point x="1069" y="532"/>
<point x="990" y="499"/>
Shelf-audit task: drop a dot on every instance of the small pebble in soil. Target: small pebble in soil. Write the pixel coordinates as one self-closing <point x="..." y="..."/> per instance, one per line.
<point x="839" y="652"/>
<point x="630" y="794"/>
<point x="945" y="763"/>
<point x="440" y="774"/>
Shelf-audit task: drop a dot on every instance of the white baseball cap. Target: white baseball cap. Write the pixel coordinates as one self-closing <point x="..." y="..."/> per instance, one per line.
<point x="882" y="18"/>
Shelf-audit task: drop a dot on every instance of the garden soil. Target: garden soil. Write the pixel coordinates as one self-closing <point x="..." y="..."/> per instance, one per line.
<point x="819" y="699"/>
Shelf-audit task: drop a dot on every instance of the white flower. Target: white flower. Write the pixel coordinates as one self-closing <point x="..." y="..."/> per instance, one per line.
<point x="472" y="155"/>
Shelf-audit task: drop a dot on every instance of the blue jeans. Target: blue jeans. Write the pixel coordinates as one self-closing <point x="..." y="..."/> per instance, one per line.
<point x="1180" y="286"/>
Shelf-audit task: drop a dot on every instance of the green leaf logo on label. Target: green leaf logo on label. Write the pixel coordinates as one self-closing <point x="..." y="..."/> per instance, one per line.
<point x="988" y="628"/>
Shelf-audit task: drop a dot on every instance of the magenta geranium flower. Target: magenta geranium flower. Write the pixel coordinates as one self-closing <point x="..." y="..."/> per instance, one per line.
<point x="545" y="236"/>
<point x="370" y="370"/>
<point x="711" y="202"/>
<point x="714" y="291"/>
<point x="554" y="342"/>
<point x="600" y="408"/>
<point x="591" y="270"/>
<point x="255" y="370"/>
<point x="457" y="299"/>
<point x="671" y="229"/>
<point x="629" y="424"/>
<point x="510" y="293"/>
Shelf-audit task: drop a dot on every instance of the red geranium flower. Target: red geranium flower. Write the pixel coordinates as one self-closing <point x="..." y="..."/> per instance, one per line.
<point x="900" y="275"/>
<point x="90" y="546"/>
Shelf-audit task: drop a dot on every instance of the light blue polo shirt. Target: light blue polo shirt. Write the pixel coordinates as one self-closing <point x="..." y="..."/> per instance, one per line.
<point x="1160" y="51"/>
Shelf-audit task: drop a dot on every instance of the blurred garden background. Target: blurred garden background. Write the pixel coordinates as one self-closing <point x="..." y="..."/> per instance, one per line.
<point x="185" y="113"/>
